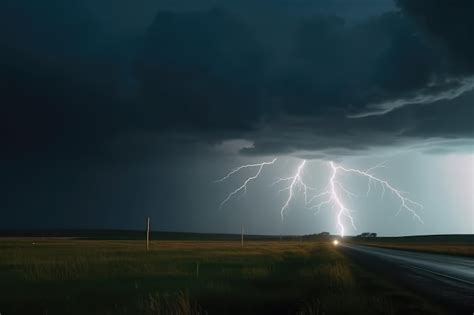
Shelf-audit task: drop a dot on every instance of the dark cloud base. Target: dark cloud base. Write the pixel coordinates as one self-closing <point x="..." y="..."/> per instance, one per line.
<point x="110" y="111"/>
<point x="287" y="82"/>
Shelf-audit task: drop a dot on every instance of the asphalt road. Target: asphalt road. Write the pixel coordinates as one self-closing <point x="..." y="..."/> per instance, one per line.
<point x="448" y="279"/>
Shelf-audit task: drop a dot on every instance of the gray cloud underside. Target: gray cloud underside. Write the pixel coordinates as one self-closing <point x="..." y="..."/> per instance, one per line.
<point x="444" y="125"/>
<point x="432" y="93"/>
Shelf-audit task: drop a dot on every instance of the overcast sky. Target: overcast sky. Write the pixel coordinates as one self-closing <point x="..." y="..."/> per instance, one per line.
<point x="111" y="111"/>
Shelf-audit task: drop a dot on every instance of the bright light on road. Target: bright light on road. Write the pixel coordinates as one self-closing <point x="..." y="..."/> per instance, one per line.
<point x="335" y="242"/>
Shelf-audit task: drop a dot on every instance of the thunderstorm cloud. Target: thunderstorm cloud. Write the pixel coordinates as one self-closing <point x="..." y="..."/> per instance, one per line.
<point x="89" y="86"/>
<point x="309" y="80"/>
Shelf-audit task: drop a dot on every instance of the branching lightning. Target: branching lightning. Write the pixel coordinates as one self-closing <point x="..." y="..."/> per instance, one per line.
<point x="332" y="196"/>
<point x="295" y="181"/>
<point x="335" y="189"/>
<point x="243" y="187"/>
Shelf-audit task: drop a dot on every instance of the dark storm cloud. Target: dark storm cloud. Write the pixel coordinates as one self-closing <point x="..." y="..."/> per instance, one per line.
<point x="404" y="127"/>
<point x="448" y="23"/>
<point x="48" y="77"/>
<point x="447" y="60"/>
<point x="112" y="109"/>
<point x="284" y="76"/>
<point x="299" y="99"/>
<point x="201" y="70"/>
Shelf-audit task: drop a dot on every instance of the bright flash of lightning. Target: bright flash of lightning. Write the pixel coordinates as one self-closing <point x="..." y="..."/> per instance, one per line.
<point x="335" y="190"/>
<point x="243" y="187"/>
<point x="295" y="181"/>
<point x="405" y="202"/>
<point x="334" y="198"/>
<point x="333" y="194"/>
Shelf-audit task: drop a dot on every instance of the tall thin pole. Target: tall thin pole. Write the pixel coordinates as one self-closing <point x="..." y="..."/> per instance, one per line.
<point x="148" y="233"/>
<point x="242" y="238"/>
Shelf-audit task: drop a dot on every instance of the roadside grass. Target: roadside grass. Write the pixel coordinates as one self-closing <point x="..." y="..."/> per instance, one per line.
<point x="458" y="245"/>
<point x="466" y="250"/>
<point x="66" y="276"/>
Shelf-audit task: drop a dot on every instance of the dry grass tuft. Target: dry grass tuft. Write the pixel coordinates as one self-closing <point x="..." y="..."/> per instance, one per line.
<point x="170" y="304"/>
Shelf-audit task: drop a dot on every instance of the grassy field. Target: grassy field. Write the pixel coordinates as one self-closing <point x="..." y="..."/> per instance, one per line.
<point x="459" y="245"/>
<point x="67" y="276"/>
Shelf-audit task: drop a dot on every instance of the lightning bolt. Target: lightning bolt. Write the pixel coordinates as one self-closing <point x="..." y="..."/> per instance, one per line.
<point x="243" y="187"/>
<point x="333" y="195"/>
<point x="295" y="181"/>
<point x="405" y="202"/>
<point x="334" y="189"/>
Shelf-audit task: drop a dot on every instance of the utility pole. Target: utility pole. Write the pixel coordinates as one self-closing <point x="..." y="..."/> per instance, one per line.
<point x="242" y="238"/>
<point x="148" y="233"/>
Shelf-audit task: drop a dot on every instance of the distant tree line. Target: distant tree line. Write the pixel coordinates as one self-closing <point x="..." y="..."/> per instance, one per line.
<point x="367" y="235"/>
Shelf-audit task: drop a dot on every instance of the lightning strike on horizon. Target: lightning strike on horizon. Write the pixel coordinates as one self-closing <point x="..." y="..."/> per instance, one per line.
<point x="333" y="192"/>
<point x="248" y="180"/>
<point x="342" y="210"/>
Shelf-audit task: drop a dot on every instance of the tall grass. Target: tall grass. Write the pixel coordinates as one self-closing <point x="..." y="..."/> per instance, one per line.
<point x="120" y="277"/>
<point x="178" y="303"/>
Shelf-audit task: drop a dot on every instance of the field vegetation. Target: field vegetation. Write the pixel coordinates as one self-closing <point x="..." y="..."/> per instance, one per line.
<point x="68" y="276"/>
<point x="459" y="245"/>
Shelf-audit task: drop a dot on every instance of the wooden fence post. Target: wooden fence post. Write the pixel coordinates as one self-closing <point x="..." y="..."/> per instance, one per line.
<point x="148" y="233"/>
